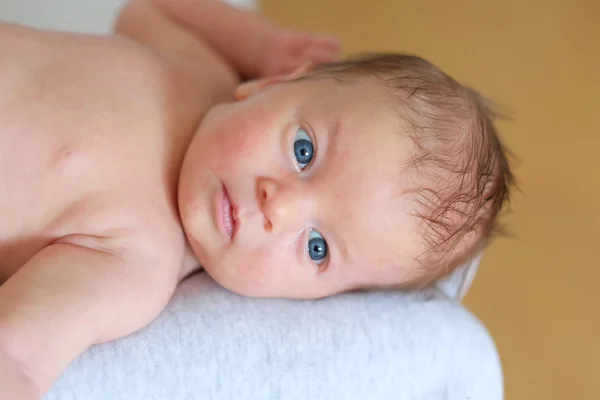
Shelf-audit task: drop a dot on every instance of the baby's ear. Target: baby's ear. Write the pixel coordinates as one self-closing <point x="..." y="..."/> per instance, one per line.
<point x="249" y="88"/>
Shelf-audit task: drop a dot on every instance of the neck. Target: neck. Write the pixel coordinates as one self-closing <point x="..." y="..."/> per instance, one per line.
<point x="190" y="263"/>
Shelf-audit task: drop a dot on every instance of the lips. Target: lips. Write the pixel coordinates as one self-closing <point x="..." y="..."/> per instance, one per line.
<point x="227" y="214"/>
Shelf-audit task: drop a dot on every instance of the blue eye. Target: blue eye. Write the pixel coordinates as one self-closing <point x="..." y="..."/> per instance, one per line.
<point x="317" y="246"/>
<point x="304" y="150"/>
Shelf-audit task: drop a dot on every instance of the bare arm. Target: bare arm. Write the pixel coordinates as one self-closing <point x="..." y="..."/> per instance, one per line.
<point x="146" y="23"/>
<point x="246" y="41"/>
<point x="240" y="36"/>
<point x="67" y="298"/>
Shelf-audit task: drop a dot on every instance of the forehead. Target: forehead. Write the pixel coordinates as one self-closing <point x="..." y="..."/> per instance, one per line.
<point x="363" y="172"/>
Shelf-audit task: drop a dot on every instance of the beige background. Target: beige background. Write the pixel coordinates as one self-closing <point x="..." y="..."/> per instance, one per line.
<point x="538" y="293"/>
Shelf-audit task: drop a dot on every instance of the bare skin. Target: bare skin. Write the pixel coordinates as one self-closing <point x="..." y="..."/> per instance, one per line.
<point x="93" y="132"/>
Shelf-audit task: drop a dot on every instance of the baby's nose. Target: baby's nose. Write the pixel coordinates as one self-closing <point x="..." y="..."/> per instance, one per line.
<point x="285" y="205"/>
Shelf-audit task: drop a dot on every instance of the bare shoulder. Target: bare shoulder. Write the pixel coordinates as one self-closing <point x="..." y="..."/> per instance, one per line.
<point x="150" y="57"/>
<point x="95" y="126"/>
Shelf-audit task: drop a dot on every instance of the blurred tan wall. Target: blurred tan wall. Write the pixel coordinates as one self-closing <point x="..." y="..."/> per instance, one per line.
<point x="537" y="293"/>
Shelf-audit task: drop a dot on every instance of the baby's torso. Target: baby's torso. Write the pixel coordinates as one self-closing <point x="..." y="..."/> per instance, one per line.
<point x="92" y="134"/>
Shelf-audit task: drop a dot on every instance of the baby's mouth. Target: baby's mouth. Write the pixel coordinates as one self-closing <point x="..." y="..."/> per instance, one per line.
<point x="228" y="214"/>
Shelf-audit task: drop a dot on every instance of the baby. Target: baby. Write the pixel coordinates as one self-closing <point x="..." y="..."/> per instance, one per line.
<point x="126" y="163"/>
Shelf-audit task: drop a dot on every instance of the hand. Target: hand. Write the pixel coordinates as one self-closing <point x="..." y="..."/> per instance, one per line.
<point x="289" y="50"/>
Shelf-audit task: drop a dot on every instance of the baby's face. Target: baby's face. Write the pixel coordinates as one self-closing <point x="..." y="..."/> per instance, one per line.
<point x="297" y="190"/>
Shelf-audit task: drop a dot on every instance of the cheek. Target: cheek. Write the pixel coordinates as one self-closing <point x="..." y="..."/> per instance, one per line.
<point x="246" y="272"/>
<point x="243" y="140"/>
<point x="239" y="146"/>
<point x="255" y="263"/>
<point x="257" y="270"/>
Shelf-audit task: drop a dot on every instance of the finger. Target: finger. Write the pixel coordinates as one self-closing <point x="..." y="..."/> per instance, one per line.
<point x="329" y="42"/>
